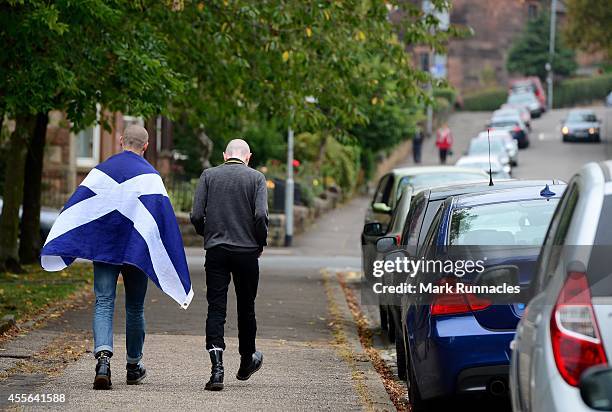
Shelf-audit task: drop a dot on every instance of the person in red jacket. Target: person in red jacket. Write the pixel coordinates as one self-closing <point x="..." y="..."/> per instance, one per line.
<point x="444" y="142"/>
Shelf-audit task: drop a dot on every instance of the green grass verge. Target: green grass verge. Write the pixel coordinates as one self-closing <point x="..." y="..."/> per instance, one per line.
<point x="26" y="293"/>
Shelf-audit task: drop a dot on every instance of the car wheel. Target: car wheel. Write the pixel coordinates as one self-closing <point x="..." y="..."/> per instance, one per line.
<point x="391" y="328"/>
<point x="400" y="352"/>
<point x="414" y="396"/>
<point x="384" y="320"/>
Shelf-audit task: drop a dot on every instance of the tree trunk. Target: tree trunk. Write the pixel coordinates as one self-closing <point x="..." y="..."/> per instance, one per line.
<point x="30" y="241"/>
<point x="13" y="192"/>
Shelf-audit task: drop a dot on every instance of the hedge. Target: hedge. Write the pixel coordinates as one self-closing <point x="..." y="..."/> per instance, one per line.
<point x="450" y="95"/>
<point x="574" y="91"/>
<point x="485" y="100"/>
<point x="566" y="93"/>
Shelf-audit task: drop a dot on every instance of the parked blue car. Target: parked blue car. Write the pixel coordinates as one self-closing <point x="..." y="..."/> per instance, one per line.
<point x="459" y="343"/>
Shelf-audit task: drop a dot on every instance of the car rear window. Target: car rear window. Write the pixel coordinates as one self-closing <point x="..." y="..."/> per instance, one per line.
<point x="604" y="229"/>
<point x="479" y="146"/>
<point x="509" y="223"/>
<point x="521" y="98"/>
<point x="438" y="179"/>
<point x="599" y="271"/>
<point x="508" y="123"/>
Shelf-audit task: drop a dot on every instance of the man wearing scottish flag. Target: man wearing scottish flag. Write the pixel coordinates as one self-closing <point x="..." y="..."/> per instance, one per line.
<point x="120" y="217"/>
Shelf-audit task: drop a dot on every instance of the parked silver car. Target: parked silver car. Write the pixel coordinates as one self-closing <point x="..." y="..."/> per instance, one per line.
<point x="566" y="331"/>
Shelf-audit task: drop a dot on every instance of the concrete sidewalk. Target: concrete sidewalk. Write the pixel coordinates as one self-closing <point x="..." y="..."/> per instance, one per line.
<point x="295" y="376"/>
<point x="304" y="366"/>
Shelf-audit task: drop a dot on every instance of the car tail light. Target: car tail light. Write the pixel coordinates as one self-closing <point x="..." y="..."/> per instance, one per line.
<point x="574" y="333"/>
<point x="456" y="303"/>
<point x="398" y="240"/>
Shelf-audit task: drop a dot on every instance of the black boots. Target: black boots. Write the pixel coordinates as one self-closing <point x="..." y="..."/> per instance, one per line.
<point x="103" y="372"/>
<point x="216" y="372"/>
<point x="136" y="372"/>
<point x="249" y="365"/>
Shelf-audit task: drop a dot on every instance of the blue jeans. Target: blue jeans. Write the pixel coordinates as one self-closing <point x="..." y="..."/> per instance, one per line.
<point x="105" y="286"/>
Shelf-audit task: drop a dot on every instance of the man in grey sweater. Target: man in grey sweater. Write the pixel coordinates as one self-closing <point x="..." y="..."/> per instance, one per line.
<point x="230" y="210"/>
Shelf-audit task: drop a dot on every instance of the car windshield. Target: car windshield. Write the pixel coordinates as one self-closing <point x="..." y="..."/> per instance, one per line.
<point x="521" y="98"/>
<point x="581" y="117"/>
<point x="437" y="179"/>
<point x="480" y="146"/>
<point x="510" y="223"/>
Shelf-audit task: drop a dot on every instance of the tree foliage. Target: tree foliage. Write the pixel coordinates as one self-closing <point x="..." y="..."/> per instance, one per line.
<point x="529" y="52"/>
<point x="73" y="56"/>
<point x="233" y="66"/>
<point x="251" y="61"/>
<point x="589" y="25"/>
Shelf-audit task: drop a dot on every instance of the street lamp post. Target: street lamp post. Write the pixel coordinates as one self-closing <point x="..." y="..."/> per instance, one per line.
<point x="289" y="190"/>
<point x="551" y="52"/>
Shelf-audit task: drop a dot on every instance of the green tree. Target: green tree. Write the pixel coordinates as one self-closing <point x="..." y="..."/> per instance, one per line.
<point x="71" y="56"/>
<point x="589" y="25"/>
<point x="259" y="61"/>
<point x="529" y="52"/>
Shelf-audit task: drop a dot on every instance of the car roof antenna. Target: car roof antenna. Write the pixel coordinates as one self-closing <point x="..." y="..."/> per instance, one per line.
<point x="490" y="168"/>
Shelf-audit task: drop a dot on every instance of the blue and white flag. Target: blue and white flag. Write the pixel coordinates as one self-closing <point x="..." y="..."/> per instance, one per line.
<point x="121" y="214"/>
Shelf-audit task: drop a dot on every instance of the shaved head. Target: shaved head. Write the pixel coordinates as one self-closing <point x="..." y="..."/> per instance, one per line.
<point x="237" y="149"/>
<point x="135" y="138"/>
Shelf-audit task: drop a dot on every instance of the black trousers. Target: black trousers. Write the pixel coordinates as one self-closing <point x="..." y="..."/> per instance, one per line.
<point x="443" y="153"/>
<point x="244" y="268"/>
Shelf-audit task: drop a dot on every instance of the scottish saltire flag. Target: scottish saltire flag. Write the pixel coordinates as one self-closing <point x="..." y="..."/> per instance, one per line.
<point x="121" y="214"/>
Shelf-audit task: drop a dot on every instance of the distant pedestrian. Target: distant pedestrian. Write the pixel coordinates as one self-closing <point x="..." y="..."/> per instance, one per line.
<point x="120" y="217"/>
<point x="444" y="142"/>
<point x="417" y="145"/>
<point x="230" y="209"/>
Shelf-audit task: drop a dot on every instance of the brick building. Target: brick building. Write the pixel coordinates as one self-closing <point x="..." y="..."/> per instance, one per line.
<point x="70" y="156"/>
<point x="479" y="61"/>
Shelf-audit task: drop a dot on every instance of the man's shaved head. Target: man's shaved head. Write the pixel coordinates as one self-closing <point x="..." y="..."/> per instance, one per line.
<point x="238" y="149"/>
<point x="135" y="138"/>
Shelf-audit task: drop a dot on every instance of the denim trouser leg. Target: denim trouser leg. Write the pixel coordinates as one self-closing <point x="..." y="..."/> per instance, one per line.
<point x="135" y="282"/>
<point x="105" y="286"/>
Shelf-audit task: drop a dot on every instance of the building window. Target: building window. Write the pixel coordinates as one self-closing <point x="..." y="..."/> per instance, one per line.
<point x="88" y="146"/>
<point x="532" y="11"/>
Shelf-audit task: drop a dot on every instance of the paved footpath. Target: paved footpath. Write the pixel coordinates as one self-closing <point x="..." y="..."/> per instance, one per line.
<point x="303" y="368"/>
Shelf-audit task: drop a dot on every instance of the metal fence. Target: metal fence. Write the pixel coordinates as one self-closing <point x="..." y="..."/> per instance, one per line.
<point x="180" y="190"/>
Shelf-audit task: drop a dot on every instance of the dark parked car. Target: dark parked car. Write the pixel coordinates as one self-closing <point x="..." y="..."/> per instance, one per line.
<point x="517" y="128"/>
<point x="423" y="206"/>
<point x="581" y="125"/>
<point x="47" y="218"/>
<point x="459" y="342"/>
<point x="380" y="219"/>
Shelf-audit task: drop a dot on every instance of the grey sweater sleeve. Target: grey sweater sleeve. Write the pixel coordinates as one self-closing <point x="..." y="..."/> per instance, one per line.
<point x="198" y="209"/>
<point x="261" y="211"/>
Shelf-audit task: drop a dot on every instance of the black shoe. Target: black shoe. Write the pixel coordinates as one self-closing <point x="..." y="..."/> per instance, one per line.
<point x="103" y="372"/>
<point x="216" y="372"/>
<point x="136" y="372"/>
<point x="249" y="365"/>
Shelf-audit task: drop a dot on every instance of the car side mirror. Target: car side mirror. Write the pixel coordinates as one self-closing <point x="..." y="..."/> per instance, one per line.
<point x="373" y="229"/>
<point x="386" y="244"/>
<point x="381" y="208"/>
<point x="596" y="388"/>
